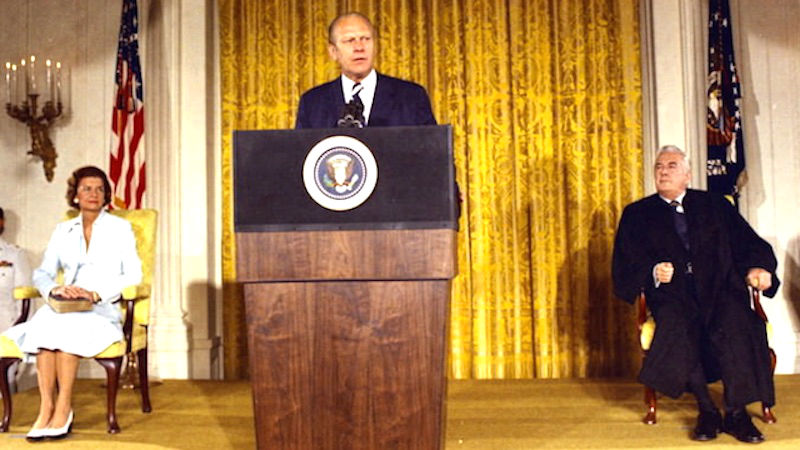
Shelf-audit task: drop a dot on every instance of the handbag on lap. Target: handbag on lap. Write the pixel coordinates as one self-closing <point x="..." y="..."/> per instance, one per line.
<point x="62" y="304"/>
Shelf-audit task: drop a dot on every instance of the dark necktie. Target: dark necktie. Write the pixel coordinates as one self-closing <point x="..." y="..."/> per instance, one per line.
<point x="680" y="223"/>
<point x="357" y="88"/>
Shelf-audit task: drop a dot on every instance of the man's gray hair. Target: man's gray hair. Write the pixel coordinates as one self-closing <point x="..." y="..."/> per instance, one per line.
<point x="669" y="148"/>
<point x="332" y="26"/>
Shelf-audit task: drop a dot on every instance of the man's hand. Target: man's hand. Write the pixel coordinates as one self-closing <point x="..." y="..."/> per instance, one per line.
<point x="664" y="271"/>
<point x="759" y="278"/>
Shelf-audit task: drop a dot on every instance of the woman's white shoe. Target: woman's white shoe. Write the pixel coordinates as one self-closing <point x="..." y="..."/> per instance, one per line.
<point x="61" y="432"/>
<point x="36" y="434"/>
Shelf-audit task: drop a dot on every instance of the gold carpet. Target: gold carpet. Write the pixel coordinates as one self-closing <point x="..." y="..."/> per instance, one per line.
<point x="503" y="414"/>
<point x="594" y="414"/>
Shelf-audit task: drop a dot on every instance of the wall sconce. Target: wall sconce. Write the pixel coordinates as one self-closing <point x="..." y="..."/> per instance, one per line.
<point x="22" y="103"/>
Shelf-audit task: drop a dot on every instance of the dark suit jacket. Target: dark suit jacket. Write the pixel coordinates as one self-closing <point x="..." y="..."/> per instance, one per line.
<point x="397" y="103"/>
<point x="705" y="316"/>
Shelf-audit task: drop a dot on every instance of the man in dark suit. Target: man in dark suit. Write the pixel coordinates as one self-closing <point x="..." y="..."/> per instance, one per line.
<point x="693" y="255"/>
<point x="383" y="100"/>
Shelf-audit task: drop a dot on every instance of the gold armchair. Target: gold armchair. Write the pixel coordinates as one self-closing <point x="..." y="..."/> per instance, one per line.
<point x="647" y="328"/>
<point x="135" y="305"/>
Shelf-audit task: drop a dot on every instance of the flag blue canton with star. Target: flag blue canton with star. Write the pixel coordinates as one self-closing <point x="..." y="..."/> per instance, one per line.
<point x="128" y="51"/>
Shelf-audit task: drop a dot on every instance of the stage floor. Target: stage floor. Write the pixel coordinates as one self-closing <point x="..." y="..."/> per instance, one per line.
<point x="500" y="414"/>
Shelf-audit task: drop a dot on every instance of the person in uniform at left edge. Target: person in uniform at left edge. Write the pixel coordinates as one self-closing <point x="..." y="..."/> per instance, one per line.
<point x="14" y="272"/>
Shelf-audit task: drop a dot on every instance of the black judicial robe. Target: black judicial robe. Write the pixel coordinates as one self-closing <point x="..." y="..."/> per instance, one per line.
<point x="722" y="248"/>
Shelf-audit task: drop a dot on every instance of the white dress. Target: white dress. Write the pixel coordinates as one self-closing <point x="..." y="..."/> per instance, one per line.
<point x="106" y="267"/>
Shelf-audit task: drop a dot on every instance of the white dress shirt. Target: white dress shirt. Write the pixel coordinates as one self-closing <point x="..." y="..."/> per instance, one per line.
<point x="678" y="199"/>
<point x="367" y="94"/>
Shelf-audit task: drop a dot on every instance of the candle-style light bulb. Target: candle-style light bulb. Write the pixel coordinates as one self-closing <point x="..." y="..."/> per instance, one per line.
<point x="32" y="70"/>
<point x="50" y="92"/>
<point x="58" y="82"/>
<point x="15" y="83"/>
<point x="24" y="67"/>
<point x="8" y="82"/>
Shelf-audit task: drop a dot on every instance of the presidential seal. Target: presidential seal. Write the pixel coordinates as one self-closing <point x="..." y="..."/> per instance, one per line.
<point x="340" y="173"/>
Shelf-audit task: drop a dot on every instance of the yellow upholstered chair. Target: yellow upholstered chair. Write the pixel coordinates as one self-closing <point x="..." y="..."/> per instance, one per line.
<point x="647" y="329"/>
<point x="135" y="305"/>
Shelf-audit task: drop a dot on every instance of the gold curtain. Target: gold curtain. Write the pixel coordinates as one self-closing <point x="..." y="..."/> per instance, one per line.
<point x="545" y="101"/>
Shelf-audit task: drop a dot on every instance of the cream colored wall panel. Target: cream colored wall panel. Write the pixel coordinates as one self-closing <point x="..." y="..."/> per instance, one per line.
<point x="13" y="136"/>
<point x="674" y="33"/>
<point x="771" y="46"/>
<point x="668" y="62"/>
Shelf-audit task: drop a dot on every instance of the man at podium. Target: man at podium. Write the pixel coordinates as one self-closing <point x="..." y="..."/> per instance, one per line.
<point x="361" y="96"/>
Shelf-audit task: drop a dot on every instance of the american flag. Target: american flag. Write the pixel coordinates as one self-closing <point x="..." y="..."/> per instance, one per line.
<point x="725" y="168"/>
<point x="127" y="165"/>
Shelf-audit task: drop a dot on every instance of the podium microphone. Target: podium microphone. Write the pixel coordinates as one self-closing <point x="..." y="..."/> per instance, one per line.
<point x="352" y="116"/>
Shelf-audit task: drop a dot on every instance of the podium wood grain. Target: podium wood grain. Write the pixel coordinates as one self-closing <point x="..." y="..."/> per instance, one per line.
<point x="346" y="334"/>
<point x="346" y="255"/>
<point x="348" y="365"/>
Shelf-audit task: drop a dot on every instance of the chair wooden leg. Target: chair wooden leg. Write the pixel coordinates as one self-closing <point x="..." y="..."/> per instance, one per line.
<point x="113" y="367"/>
<point x="144" y="385"/>
<point x="5" y="390"/>
<point x="650" y="401"/>
<point x="767" y="415"/>
<point x="773" y="360"/>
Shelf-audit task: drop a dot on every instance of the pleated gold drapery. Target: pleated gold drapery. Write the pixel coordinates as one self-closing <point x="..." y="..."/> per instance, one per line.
<point x="545" y="101"/>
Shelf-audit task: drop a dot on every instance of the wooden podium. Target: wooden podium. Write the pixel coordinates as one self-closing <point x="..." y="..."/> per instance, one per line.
<point x="347" y="311"/>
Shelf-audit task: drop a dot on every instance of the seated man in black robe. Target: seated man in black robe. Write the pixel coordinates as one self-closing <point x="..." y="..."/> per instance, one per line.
<point x="693" y="255"/>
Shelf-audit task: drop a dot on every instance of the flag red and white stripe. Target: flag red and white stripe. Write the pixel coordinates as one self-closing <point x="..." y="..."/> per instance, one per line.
<point x="127" y="167"/>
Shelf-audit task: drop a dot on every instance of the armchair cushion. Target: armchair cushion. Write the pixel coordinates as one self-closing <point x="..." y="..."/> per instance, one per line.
<point x="140" y="293"/>
<point x="647" y="332"/>
<point x="24" y="292"/>
<point x="9" y="348"/>
<point x="113" y="351"/>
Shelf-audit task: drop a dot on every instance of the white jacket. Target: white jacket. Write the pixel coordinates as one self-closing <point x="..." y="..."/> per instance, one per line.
<point x="111" y="257"/>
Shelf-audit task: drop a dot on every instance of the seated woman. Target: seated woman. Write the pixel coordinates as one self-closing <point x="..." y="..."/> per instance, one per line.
<point x="97" y="254"/>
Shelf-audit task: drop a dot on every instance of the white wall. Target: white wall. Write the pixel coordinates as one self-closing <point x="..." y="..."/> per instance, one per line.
<point x="768" y="59"/>
<point x="769" y="45"/>
<point x="181" y="145"/>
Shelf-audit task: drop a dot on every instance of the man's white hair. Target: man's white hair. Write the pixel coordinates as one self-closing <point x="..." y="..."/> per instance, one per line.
<point x="669" y="148"/>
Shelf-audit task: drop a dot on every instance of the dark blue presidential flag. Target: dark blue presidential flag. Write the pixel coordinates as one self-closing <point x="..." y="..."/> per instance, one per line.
<point x="725" y="162"/>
